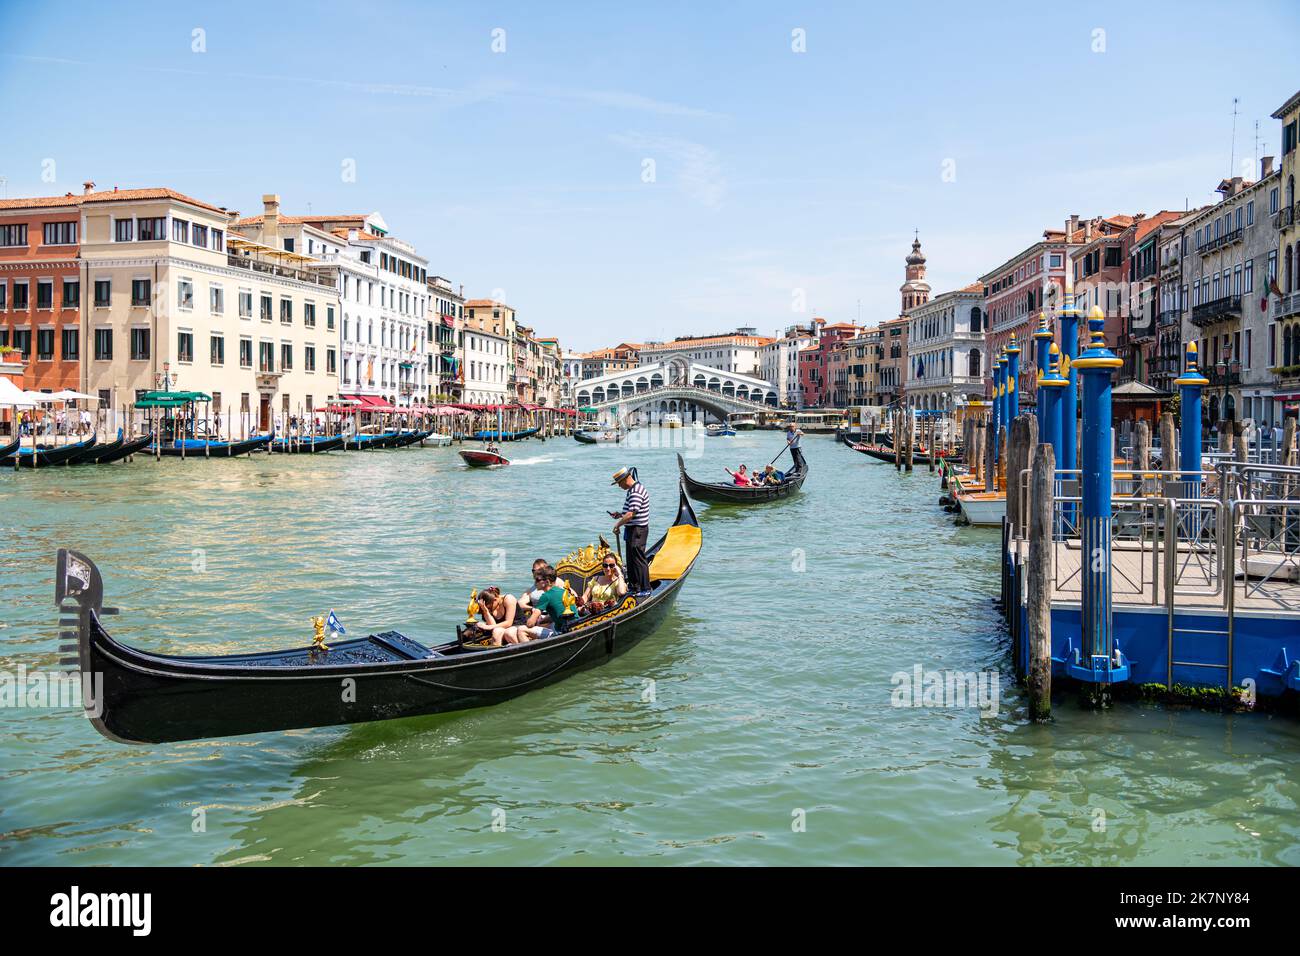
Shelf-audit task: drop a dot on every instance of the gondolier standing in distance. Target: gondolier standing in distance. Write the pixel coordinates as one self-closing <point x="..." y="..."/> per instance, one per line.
<point x="793" y="434"/>
<point x="635" y="519"/>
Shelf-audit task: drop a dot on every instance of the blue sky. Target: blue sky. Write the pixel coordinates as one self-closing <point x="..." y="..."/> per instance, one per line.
<point x="521" y="172"/>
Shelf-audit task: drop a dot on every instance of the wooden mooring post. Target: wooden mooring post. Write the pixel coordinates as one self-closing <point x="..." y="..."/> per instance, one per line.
<point x="1168" y="450"/>
<point x="1141" y="453"/>
<point x="910" y="451"/>
<point x="1039" y="582"/>
<point x="1024" y="436"/>
<point x="898" y="440"/>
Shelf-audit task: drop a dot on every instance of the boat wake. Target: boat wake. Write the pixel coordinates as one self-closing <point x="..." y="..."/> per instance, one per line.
<point x="540" y="459"/>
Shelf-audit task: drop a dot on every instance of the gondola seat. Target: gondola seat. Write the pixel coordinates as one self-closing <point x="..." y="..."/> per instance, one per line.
<point x="680" y="547"/>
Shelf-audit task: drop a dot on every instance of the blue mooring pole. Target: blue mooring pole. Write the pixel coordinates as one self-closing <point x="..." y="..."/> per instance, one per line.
<point x="1042" y="344"/>
<point x="1013" y="382"/>
<point x="1099" y="660"/>
<point x="1051" y="391"/>
<point x="1070" y="401"/>
<point x="1189" y="385"/>
<point x="999" y="400"/>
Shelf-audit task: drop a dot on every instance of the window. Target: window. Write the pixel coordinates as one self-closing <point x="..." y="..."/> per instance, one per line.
<point x="265" y="308"/>
<point x="1272" y="201"/>
<point x="286" y="356"/>
<point x="150" y="229"/>
<point x="20" y="297"/>
<point x="216" y="299"/>
<point x="245" y="353"/>
<point x="13" y="235"/>
<point x="60" y="234"/>
<point x="286" y="311"/>
<point x="103" y="345"/>
<point x="185" y="346"/>
<point x="288" y="244"/>
<point x="217" y="349"/>
<point x="103" y="290"/>
<point x="180" y="230"/>
<point x="1250" y="213"/>
<point x="199" y="236"/>
<point x="245" y="304"/>
<point x="185" y="294"/>
<point x="218" y="240"/>
<point x="1272" y="267"/>
<point x="309" y="358"/>
<point x="45" y="345"/>
<point x="139" y="345"/>
<point x="330" y="362"/>
<point x="123" y="230"/>
<point x="4" y="291"/>
<point x="265" y="356"/>
<point x="45" y="294"/>
<point x="23" y="341"/>
<point x="1248" y="279"/>
<point x="141" y="292"/>
<point x="309" y="314"/>
<point x="71" y="293"/>
<point x="71" y="344"/>
<point x="329" y="317"/>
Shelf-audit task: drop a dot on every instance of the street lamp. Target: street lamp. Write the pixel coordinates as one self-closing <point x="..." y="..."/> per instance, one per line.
<point x="165" y="380"/>
<point x="1226" y="367"/>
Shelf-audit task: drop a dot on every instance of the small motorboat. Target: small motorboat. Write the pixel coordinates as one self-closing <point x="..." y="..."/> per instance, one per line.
<point x="719" y="431"/>
<point x="483" y="459"/>
<point x="608" y="436"/>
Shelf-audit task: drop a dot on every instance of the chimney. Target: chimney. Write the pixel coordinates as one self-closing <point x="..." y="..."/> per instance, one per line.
<point x="1072" y="227"/>
<point x="1265" y="167"/>
<point x="271" y="219"/>
<point x="1087" y="232"/>
<point x="88" y="186"/>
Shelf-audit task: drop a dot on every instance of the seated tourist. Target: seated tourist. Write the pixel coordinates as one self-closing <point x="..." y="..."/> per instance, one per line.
<point x="548" y="613"/>
<point x="605" y="588"/>
<point x="739" y="477"/>
<point x="527" y="599"/>
<point x="772" y="477"/>
<point x="497" y="611"/>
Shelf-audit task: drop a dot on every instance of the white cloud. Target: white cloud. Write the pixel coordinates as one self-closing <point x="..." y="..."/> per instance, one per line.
<point x="695" y="168"/>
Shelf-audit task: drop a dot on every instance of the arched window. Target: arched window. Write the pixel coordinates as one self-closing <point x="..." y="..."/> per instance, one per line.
<point x="973" y="362"/>
<point x="976" y="319"/>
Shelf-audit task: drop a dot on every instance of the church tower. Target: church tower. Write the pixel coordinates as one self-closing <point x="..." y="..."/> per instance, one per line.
<point x="915" y="291"/>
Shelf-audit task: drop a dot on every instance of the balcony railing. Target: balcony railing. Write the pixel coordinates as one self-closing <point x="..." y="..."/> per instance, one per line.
<point x="1218" y="242"/>
<point x="1169" y="317"/>
<point x="1220" y="379"/>
<point x="1207" y="313"/>
<point x="1141" y="328"/>
<point x="1288" y="376"/>
<point x="1286" y="217"/>
<point x="1286" y="306"/>
<point x="283" y="272"/>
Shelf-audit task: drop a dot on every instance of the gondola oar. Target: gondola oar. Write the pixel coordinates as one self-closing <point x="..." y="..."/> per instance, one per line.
<point x="779" y="454"/>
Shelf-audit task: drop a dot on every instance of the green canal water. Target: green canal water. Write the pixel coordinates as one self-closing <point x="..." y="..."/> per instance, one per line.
<point x="756" y="727"/>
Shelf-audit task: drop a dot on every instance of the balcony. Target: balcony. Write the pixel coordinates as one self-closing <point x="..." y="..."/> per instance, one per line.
<point x="1220" y="379"/>
<point x="283" y="272"/>
<point x="1141" y="328"/>
<point x="1219" y="242"/>
<point x="1287" y="306"/>
<point x="1288" y="376"/>
<point x="1169" y="318"/>
<point x="1286" y="217"/>
<point x="1217" y="310"/>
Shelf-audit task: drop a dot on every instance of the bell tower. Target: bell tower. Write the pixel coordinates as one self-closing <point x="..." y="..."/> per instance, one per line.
<point x="915" y="291"/>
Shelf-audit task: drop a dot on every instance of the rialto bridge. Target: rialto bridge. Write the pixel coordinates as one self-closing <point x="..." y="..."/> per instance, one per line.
<point x="676" y="386"/>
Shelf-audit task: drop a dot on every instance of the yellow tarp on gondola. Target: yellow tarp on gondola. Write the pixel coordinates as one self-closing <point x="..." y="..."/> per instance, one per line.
<point x="679" y="549"/>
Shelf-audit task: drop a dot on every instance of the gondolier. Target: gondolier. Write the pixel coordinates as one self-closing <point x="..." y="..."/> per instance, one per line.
<point x="793" y="435"/>
<point x="635" y="520"/>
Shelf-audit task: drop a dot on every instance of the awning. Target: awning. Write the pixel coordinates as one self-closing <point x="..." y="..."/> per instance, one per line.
<point x="11" y="394"/>
<point x="170" y="399"/>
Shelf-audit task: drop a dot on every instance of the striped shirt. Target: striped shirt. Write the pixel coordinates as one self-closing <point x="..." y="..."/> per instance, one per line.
<point x="637" y="501"/>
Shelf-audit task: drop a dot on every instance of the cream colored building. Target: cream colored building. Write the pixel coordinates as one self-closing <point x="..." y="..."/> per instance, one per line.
<point x="173" y="300"/>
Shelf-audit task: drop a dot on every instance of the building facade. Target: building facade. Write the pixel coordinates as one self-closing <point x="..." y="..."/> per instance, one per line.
<point x="445" y="332"/>
<point x="779" y="363"/>
<point x="175" y="302"/>
<point x="1284" y="328"/>
<point x="945" y="350"/>
<point x="489" y="352"/>
<point x="40" y="290"/>
<point x="740" y="352"/>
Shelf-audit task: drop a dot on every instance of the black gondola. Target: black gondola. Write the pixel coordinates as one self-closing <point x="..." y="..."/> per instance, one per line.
<point x="203" y="448"/>
<point x="156" y="698"/>
<point x="9" y="449"/>
<point x="727" y="493"/>
<point x="45" y="457"/>
<point x="116" y="451"/>
<point x="308" y="445"/>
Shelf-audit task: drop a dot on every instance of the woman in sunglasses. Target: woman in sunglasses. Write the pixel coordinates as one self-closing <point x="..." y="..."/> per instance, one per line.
<point x="605" y="588"/>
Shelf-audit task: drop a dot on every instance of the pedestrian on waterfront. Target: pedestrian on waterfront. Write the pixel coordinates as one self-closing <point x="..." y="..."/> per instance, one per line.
<point x="793" y="435"/>
<point x="635" y="520"/>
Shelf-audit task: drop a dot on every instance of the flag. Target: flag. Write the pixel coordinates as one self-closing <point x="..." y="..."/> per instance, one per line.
<point x="1273" y="287"/>
<point x="334" y="624"/>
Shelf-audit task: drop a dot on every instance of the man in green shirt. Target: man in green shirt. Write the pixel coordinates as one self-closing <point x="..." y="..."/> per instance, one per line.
<point x="550" y="606"/>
